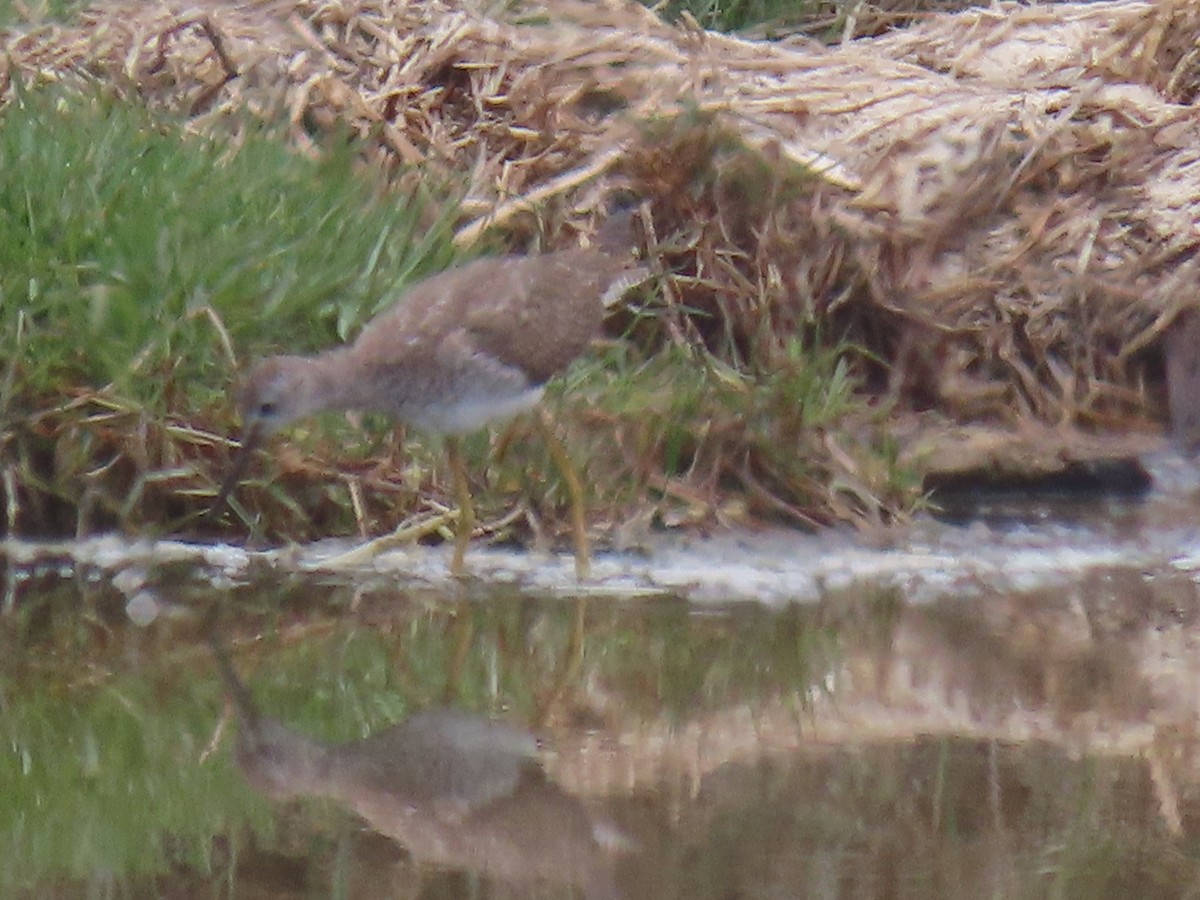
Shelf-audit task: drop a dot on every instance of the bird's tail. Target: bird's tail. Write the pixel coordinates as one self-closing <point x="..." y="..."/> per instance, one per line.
<point x="624" y="283"/>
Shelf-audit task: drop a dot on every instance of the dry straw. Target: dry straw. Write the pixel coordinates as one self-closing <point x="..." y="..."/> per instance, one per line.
<point x="1001" y="203"/>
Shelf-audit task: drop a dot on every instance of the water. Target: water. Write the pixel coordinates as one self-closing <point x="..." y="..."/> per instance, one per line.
<point x="1001" y="710"/>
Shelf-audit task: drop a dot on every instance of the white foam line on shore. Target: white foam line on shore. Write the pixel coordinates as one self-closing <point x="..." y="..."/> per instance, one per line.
<point x="772" y="567"/>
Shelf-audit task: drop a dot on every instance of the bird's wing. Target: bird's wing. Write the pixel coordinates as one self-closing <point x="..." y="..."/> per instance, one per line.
<point x="540" y="312"/>
<point x="533" y="313"/>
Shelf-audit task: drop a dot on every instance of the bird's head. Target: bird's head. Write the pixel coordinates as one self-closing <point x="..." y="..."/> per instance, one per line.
<point x="276" y="392"/>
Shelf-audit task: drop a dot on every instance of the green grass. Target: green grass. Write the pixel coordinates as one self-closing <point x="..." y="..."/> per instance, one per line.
<point x="736" y="15"/>
<point x="18" y="13"/>
<point x="823" y="20"/>
<point x="128" y="250"/>
<point x="135" y="258"/>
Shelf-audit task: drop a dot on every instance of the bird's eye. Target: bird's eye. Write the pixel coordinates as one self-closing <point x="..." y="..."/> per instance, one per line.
<point x="267" y="409"/>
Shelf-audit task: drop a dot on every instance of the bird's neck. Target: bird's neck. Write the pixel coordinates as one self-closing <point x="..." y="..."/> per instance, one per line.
<point x="331" y="384"/>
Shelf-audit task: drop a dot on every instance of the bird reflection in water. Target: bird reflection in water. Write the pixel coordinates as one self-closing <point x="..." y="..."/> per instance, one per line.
<point x="455" y="790"/>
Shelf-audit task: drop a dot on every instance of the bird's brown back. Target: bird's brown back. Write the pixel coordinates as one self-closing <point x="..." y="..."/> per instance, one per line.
<point x="536" y="313"/>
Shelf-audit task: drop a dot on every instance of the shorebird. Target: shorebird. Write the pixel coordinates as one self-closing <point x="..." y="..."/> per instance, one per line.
<point x="461" y="350"/>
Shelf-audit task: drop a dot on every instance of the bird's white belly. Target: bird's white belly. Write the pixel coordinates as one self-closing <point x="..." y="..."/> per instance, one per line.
<point x="474" y="411"/>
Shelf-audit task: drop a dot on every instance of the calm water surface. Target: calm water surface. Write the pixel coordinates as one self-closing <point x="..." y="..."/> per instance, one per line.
<point x="983" y="743"/>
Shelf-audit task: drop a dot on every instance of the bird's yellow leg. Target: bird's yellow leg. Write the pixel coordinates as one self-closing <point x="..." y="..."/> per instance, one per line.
<point x="466" y="510"/>
<point x="583" y="561"/>
<point x="504" y="441"/>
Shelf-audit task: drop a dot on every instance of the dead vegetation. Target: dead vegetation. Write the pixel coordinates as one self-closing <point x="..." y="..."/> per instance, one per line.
<point x="998" y="206"/>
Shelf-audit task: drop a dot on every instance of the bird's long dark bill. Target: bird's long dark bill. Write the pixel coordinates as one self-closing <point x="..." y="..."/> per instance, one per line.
<point x="250" y="441"/>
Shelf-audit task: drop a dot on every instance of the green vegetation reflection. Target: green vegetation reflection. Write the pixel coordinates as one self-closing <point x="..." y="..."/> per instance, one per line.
<point x="109" y="776"/>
